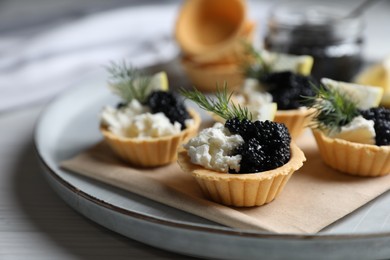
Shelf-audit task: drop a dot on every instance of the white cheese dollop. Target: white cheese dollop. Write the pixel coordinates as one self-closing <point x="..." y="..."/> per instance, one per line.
<point x="152" y="125"/>
<point x="135" y="120"/>
<point x="212" y="149"/>
<point x="257" y="101"/>
<point x="359" y="130"/>
<point x="254" y="94"/>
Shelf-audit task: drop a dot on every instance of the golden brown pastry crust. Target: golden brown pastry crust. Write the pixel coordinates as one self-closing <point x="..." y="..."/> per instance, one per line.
<point x="243" y="190"/>
<point x="353" y="158"/>
<point x="296" y="120"/>
<point x="150" y="152"/>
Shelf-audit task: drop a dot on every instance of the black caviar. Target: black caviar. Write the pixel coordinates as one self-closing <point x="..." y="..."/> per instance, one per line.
<point x="381" y="118"/>
<point x="169" y="104"/>
<point x="121" y="105"/>
<point x="266" y="144"/>
<point x="287" y="88"/>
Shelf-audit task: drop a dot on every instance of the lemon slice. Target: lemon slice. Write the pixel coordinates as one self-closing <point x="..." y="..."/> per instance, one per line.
<point x="378" y="75"/>
<point x="364" y="96"/>
<point x="158" y="81"/>
<point x="359" y="130"/>
<point x="266" y="111"/>
<point x="301" y="64"/>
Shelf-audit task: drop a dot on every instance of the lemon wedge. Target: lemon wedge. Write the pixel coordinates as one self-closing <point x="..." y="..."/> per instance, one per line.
<point x="378" y="75"/>
<point x="266" y="111"/>
<point x="159" y="81"/>
<point x="128" y="88"/>
<point x="300" y="64"/>
<point x="365" y="96"/>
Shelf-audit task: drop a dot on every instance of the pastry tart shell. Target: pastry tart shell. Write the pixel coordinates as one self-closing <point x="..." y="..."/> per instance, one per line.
<point x="353" y="158"/>
<point x="150" y="152"/>
<point x="243" y="190"/>
<point x="296" y="120"/>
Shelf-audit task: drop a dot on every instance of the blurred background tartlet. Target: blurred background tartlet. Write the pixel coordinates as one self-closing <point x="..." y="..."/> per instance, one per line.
<point x="211" y="36"/>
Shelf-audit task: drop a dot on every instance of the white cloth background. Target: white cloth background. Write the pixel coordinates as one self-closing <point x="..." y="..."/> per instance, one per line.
<point x="41" y="66"/>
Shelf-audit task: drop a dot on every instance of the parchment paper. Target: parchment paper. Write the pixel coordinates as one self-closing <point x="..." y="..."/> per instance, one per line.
<point x="314" y="197"/>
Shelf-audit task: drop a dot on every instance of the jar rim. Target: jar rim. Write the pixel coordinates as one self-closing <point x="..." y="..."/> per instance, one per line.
<point x="313" y="16"/>
<point x="313" y="24"/>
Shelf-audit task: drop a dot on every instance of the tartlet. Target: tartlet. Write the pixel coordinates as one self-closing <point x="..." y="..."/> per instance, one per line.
<point x="296" y="120"/>
<point x="353" y="158"/>
<point x="243" y="190"/>
<point x="150" y="123"/>
<point x="206" y="76"/>
<point x="351" y="138"/>
<point x="210" y="35"/>
<point x="286" y="78"/>
<point x="241" y="163"/>
<point x="150" y="152"/>
<point x="210" y="28"/>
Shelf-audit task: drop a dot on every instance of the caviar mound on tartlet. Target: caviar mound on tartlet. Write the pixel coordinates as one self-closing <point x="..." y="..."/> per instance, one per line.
<point x="240" y="163"/>
<point x="150" y="123"/>
<point x="286" y="79"/>
<point x="351" y="138"/>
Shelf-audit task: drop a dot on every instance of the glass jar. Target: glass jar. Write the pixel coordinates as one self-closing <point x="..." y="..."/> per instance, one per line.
<point x="322" y="30"/>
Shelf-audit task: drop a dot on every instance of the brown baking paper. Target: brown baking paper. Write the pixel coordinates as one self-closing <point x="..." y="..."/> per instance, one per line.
<point x="315" y="196"/>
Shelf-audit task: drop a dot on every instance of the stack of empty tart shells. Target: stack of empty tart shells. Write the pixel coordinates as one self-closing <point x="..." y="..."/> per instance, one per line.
<point x="211" y="35"/>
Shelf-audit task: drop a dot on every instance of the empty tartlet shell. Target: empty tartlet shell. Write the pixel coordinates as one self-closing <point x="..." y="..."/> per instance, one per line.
<point x="296" y="120"/>
<point x="243" y="190"/>
<point x="210" y="28"/>
<point x="150" y="152"/>
<point x="353" y="158"/>
<point x="206" y="77"/>
<point x="236" y="54"/>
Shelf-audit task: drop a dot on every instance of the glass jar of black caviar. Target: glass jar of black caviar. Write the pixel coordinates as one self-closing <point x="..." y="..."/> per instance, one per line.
<point x="323" y="30"/>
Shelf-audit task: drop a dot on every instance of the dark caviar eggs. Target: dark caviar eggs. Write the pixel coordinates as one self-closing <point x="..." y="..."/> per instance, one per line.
<point x="381" y="118"/>
<point x="169" y="104"/>
<point x="287" y="88"/>
<point x="266" y="144"/>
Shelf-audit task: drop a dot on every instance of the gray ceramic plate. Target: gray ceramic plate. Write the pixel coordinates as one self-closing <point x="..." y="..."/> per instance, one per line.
<point x="70" y="124"/>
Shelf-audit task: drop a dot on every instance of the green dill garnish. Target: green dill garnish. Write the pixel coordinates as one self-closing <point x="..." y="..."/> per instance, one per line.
<point x="220" y="105"/>
<point x="257" y="66"/>
<point x="333" y="108"/>
<point x="128" y="82"/>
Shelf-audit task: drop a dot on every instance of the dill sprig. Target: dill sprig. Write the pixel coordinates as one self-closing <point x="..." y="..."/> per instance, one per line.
<point x="333" y="109"/>
<point x="220" y="105"/>
<point x="128" y="82"/>
<point x="257" y="66"/>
